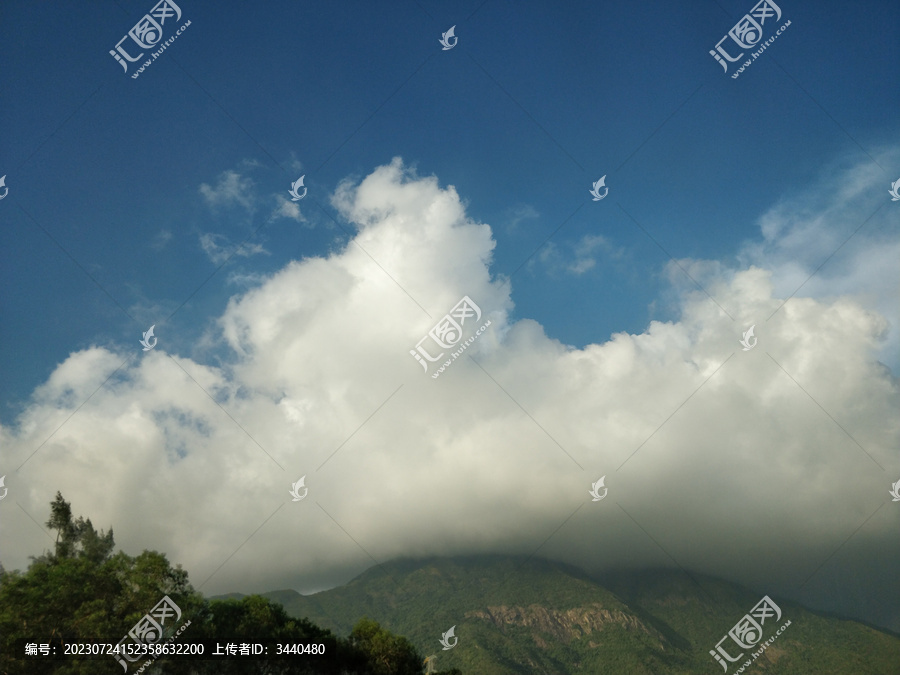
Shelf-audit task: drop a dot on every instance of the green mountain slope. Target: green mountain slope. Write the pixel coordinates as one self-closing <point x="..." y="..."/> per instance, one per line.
<point x="814" y="642"/>
<point x="515" y="617"/>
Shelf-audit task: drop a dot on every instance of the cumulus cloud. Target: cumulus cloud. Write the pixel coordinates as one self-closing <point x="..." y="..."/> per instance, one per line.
<point x="726" y="461"/>
<point x="838" y="237"/>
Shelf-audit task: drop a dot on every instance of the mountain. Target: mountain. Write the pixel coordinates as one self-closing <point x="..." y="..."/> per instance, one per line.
<point x="514" y="616"/>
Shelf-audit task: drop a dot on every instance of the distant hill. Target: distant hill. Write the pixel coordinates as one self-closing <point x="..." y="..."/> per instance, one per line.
<point x="516" y="617"/>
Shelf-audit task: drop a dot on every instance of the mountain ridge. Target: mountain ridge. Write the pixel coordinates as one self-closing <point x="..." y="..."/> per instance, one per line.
<point x="516" y="615"/>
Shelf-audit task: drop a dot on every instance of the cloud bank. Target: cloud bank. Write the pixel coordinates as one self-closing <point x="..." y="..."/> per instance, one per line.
<point x="751" y="465"/>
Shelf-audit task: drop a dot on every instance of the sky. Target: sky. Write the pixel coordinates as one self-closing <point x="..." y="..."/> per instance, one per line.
<point x="603" y="337"/>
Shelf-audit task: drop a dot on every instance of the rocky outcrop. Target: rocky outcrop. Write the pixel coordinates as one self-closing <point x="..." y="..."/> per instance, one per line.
<point x="563" y="625"/>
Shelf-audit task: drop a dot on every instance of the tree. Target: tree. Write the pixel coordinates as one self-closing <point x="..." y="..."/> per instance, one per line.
<point x="387" y="654"/>
<point x="61" y="521"/>
<point x="76" y="538"/>
<point x="83" y="591"/>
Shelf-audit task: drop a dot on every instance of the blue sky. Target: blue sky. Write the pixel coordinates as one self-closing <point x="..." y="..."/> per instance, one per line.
<point x="284" y="86"/>
<point x="126" y="195"/>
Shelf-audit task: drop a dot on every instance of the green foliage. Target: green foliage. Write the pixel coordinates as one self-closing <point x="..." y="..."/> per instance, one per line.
<point x="387" y="654"/>
<point x="545" y="618"/>
<point x="253" y="618"/>
<point x="76" y="538"/>
<point x="77" y="598"/>
<point x="548" y="618"/>
<point x="82" y="591"/>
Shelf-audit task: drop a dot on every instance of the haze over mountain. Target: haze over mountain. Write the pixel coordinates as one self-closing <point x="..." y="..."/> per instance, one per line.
<point x="517" y="616"/>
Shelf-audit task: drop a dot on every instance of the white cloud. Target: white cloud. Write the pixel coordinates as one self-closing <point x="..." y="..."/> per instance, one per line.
<point x="289" y="209"/>
<point x="736" y="472"/>
<point x="219" y="253"/>
<point x="232" y="188"/>
<point x="840" y="236"/>
<point x="162" y="238"/>
<point x="576" y="258"/>
<point x="518" y="214"/>
<point x="585" y="250"/>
